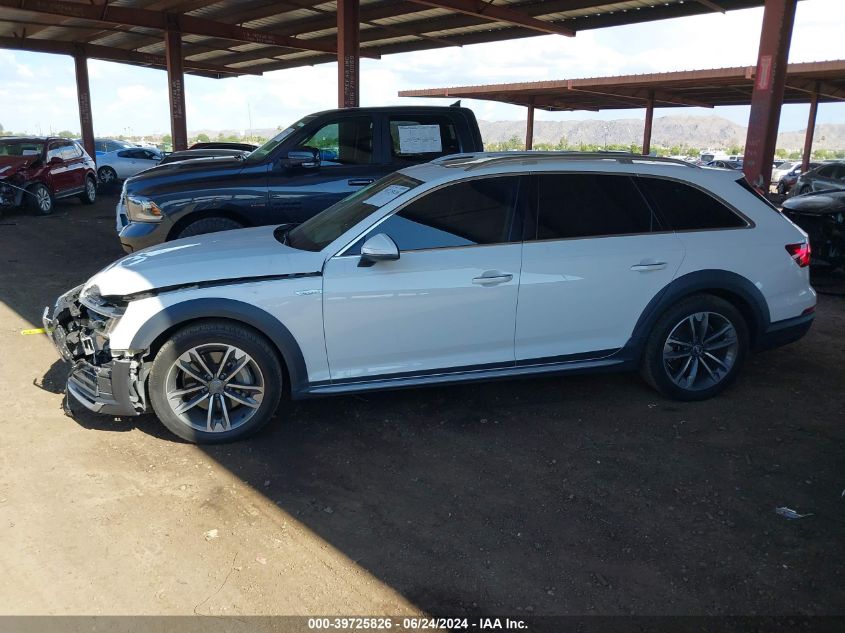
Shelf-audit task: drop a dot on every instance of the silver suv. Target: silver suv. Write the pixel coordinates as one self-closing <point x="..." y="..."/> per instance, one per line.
<point x="471" y="267"/>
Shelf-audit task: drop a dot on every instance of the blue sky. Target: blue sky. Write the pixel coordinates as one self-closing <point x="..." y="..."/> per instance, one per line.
<point x="38" y="91"/>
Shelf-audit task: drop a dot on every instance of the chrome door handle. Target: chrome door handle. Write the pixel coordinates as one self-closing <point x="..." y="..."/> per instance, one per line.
<point x="491" y="280"/>
<point x="360" y="182"/>
<point x="647" y="267"/>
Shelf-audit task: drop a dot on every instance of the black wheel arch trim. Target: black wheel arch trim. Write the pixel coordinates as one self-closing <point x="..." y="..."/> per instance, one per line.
<point x="703" y="281"/>
<point x="220" y="308"/>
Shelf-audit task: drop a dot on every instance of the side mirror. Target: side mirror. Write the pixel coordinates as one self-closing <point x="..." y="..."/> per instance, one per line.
<point x="302" y="158"/>
<point x="379" y="248"/>
<point x="56" y="160"/>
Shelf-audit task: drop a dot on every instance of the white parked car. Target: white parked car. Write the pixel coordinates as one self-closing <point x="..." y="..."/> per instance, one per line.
<point x="783" y="169"/>
<point x="123" y="163"/>
<point x="471" y="267"/>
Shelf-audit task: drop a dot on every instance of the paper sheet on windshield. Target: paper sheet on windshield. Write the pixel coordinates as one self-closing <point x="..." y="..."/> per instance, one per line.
<point x="386" y="195"/>
<point x="419" y="139"/>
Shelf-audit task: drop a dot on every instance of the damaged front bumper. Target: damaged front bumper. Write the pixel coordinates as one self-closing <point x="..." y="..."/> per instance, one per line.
<point x="101" y="382"/>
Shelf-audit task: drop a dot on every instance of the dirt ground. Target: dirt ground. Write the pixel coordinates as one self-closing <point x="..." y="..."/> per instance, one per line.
<point x="580" y="495"/>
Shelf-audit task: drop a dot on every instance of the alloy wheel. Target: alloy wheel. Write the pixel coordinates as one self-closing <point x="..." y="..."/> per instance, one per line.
<point x="91" y="190"/>
<point x="700" y="351"/>
<point x="43" y="198"/>
<point x="214" y="387"/>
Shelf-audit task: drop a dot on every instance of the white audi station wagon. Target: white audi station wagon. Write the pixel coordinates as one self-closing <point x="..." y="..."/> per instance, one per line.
<point x="472" y="267"/>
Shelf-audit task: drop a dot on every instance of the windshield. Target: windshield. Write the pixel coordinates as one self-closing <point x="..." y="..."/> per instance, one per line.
<point x="324" y="228"/>
<point x="20" y="148"/>
<point x="265" y="150"/>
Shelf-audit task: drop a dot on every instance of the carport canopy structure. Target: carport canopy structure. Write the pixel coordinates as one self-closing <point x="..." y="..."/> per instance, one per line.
<point x="222" y="38"/>
<point x="811" y="83"/>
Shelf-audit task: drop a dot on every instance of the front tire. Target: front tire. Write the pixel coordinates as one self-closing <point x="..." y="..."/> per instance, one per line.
<point x="215" y="381"/>
<point x="208" y="225"/>
<point x="41" y="200"/>
<point x="89" y="196"/>
<point x="696" y="348"/>
<point x="107" y="175"/>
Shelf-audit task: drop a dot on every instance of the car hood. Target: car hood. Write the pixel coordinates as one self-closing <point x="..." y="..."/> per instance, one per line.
<point x="13" y="164"/>
<point x="185" y="170"/>
<point x="214" y="258"/>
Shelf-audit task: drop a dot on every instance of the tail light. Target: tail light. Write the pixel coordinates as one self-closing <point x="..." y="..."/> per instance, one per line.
<point x="800" y="253"/>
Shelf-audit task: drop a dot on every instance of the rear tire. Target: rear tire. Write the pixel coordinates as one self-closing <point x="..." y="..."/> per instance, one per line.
<point x="695" y="349"/>
<point x="215" y="381"/>
<point x="40" y="199"/>
<point x="208" y="225"/>
<point x="89" y="196"/>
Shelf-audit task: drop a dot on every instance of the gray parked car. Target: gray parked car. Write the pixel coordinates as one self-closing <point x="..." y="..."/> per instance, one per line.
<point x="824" y="177"/>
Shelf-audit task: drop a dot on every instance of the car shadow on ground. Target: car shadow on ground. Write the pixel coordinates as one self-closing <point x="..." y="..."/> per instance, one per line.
<point x="588" y="494"/>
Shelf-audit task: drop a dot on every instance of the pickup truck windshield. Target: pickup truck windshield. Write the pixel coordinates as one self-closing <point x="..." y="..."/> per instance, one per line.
<point x="324" y="228"/>
<point x="265" y="150"/>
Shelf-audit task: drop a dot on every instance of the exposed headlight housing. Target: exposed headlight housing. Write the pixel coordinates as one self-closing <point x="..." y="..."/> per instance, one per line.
<point x="111" y="307"/>
<point x="141" y="209"/>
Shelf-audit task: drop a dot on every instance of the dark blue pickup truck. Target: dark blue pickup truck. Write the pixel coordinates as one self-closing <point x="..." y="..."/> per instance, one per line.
<point x="304" y="169"/>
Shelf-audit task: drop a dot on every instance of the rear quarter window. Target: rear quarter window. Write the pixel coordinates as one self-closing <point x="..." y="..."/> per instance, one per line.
<point x="687" y="208"/>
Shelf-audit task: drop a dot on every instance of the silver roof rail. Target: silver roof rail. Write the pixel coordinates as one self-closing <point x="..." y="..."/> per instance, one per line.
<point x="483" y="159"/>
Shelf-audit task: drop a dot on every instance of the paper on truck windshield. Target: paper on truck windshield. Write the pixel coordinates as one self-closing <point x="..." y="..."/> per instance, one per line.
<point x="386" y="195"/>
<point x="419" y="139"/>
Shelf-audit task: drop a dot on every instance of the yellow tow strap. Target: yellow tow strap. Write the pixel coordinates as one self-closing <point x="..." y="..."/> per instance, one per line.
<point x="38" y="330"/>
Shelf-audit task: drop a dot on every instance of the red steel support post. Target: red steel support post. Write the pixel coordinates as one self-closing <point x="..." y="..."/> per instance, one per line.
<point x="767" y="95"/>
<point x="176" y="84"/>
<point x="529" y="128"/>
<point x="811" y="128"/>
<point x="649" y="117"/>
<point x="83" y="97"/>
<point x="348" y="54"/>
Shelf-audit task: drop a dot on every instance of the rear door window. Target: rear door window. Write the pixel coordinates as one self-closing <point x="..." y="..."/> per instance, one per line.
<point x="589" y="205"/>
<point x="420" y="138"/>
<point x="687" y="208"/>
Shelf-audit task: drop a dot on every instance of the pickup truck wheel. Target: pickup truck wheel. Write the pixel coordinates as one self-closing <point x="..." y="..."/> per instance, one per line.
<point x="89" y="196"/>
<point x="107" y="175"/>
<point x="696" y="348"/>
<point x="208" y="225"/>
<point x="215" y="382"/>
<point x="40" y="199"/>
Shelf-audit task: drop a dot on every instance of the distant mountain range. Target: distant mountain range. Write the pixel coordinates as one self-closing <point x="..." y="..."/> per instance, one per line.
<point x="701" y="132"/>
<point x="691" y="131"/>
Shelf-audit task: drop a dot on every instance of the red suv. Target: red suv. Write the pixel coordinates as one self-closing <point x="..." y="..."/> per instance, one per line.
<point x="36" y="171"/>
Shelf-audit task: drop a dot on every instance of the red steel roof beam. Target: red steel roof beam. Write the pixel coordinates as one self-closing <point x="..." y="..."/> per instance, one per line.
<point x="496" y="13"/>
<point x="187" y="24"/>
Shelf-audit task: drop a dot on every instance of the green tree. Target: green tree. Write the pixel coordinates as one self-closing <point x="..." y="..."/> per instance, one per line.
<point x="203" y="138"/>
<point x="66" y="134"/>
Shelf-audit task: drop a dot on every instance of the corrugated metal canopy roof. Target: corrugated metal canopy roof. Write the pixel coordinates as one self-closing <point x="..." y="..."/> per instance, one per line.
<point x="701" y="88"/>
<point x="288" y="33"/>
